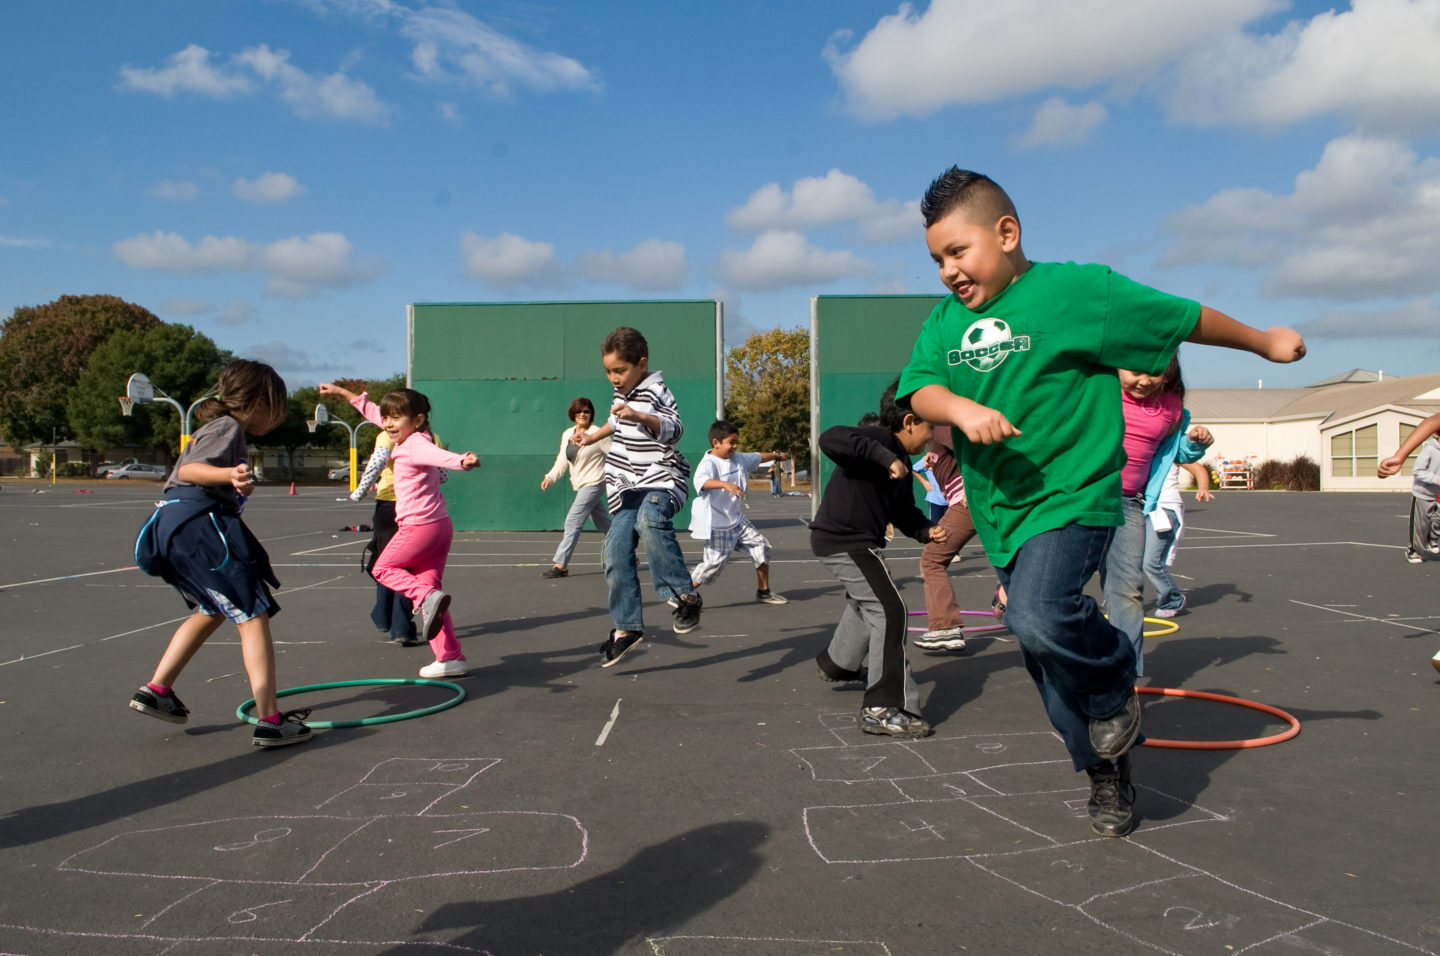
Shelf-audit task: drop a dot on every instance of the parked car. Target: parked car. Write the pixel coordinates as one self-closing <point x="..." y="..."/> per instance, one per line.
<point x="340" y="474"/>
<point x="105" y="466"/>
<point x="138" y="470"/>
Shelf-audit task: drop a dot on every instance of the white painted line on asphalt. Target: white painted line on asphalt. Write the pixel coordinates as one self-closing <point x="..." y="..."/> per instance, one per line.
<point x="32" y="657"/>
<point x="65" y="577"/>
<point x="1364" y="617"/>
<point x="614" y="716"/>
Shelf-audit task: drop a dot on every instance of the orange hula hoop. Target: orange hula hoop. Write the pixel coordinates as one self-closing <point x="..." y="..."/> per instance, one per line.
<point x="1247" y="743"/>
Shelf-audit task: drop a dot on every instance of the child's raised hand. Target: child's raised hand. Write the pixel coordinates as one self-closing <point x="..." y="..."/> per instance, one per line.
<point x="469" y="460"/>
<point x="984" y="425"/>
<point x="898" y="469"/>
<point x="624" y="412"/>
<point x="242" y="479"/>
<point x="937" y="534"/>
<point x="1283" y="345"/>
<point x="1200" y="435"/>
<point x="1389" y="466"/>
<point x="733" y="488"/>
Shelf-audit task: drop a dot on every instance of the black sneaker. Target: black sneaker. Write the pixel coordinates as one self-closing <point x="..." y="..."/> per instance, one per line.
<point x="166" y="708"/>
<point x="892" y="722"/>
<point x="687" y="614"/>
<point x="554" y="572"/>
<point x="290" y="730"/>
<point x="618" y="645"/>
<point x="1112" y="798"/>
<point x="829" y="671"/>
<point x="1113" y="736"/>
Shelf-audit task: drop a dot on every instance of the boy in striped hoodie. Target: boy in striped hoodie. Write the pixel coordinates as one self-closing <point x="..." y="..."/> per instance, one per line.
<point x="646" y="483"/>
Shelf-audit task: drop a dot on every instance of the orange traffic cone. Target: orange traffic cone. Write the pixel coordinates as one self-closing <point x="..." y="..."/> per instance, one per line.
<point x="292" y="487"/>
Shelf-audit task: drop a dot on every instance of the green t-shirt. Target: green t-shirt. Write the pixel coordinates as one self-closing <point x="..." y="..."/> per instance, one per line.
<point x="1044" y="353"/>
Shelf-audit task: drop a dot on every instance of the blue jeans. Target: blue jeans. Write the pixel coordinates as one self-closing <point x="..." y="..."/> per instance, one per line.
<point x="393" y="613"/>
<point x="1158" y="547"/>
<point x="589" y="503"/>
<point x="1122" y="575"/>
<point x="643" y="515"/>
<point x="1083" y="667"/>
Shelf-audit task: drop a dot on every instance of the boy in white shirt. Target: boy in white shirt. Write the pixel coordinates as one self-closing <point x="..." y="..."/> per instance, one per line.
<point x="716" y="516"/>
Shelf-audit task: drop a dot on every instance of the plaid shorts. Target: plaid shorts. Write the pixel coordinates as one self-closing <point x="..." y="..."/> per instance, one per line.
<point x="721" y="544"/>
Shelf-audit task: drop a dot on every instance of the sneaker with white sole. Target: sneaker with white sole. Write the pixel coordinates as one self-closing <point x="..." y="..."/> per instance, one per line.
<point x="432" y="614"/>
<point x="892" y="722"/>
<point x="1169" y="612"/>
<point x="687" y="615"/>
<point x="942" y="639"/>
<point x="1413" y="556"/>
<point x="436" y="670"/>
<point x="767" y="596"/>
<point x="166" y="708"/>
<point x="290" y="730"/>
<point x="618" y="645"/>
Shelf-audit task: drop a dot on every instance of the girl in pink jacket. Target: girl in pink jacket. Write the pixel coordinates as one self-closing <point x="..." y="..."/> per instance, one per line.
<point x="413" y="563"/>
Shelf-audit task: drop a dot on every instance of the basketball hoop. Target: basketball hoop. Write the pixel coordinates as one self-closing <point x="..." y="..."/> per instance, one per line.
<point x="311" y="424"/>
<point x="127" y="406"/>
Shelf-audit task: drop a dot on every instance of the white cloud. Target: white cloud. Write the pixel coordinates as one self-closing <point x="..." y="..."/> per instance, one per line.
<point x="974" y="51"/>
<point x="181" y="306"/>
<point x="267" y="188"/>
<point x="190" y="71"/>
<point x="450" y="45"/>
<point x="653" y="265"/>
<point x="296" y="267"/>
<point x="309" y="95"/>
<point x="816" y="202"/>
<point x="1057" y="123"/>
<point x="1365" y="222"/>
<point x="22" y="242"/>
<point x="780" y="259"/>
<point x="236" y="313"/>
<point x="1376" y="63"/>
<point x="176" y="192"/>
<point x="509" y="260"/>
<point x="1418" y="318"/>
<point x="450" y="113"/>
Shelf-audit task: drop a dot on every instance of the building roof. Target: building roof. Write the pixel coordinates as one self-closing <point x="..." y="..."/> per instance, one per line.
<point x="1343" y="399"/>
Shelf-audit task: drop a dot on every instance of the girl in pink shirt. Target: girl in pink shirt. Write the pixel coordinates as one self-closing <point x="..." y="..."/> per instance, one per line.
<point x="1154" y="407"/>
<point x="413" y="563"/>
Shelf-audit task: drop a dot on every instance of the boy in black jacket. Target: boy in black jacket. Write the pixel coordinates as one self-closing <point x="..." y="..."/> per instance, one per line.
<point x="872" y="487"/>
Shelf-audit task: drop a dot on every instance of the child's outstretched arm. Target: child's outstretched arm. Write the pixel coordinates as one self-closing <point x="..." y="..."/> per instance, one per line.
<point x="240" y="477"/>
<point x="940" y="406"/>
<point x="330" y="388"/>
<point x="591" y="437"/>
<point x="1393" y="464"/>
<point x="1202" y="480"/>
<point x="1276" y="344"/>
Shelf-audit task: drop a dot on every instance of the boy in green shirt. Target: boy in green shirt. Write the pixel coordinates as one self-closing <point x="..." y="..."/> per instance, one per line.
<point x="1021" y="361"/>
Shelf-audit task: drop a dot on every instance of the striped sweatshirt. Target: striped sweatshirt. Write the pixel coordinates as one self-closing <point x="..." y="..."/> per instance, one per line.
<point x="639" y="459"/>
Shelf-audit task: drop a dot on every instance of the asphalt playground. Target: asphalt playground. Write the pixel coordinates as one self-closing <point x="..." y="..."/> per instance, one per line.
<point x="709" y="795"/>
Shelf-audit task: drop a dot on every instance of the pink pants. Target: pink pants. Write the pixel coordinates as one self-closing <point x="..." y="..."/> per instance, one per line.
<point x="413" y="563"/>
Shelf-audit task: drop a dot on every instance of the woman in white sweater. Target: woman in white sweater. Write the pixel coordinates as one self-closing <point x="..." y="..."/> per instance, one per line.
<point x="587" y="475"/>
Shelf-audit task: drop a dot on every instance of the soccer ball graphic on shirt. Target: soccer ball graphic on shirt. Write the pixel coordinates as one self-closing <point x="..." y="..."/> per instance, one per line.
<point x="987" y="343"/>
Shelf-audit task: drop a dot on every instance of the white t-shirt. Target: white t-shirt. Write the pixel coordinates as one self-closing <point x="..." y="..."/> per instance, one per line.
<point x="716" y="509"/>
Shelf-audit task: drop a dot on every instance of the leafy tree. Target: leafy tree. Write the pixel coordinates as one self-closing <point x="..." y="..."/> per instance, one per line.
<point x="767" y="384"/>
<point x="44" y="349"/>
<point x="177" y="359"/>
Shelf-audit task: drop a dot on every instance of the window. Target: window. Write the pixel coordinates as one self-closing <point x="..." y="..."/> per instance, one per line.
<point x="1356" y="453"/>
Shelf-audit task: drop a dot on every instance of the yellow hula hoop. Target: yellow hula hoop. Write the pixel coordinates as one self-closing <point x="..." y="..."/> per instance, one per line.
<point x="1168" y="627"/>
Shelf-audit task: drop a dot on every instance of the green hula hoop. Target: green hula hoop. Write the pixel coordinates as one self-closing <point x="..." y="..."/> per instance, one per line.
<point x="241" y="711"/>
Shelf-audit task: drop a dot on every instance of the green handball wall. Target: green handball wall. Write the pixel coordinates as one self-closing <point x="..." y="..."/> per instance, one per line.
<point x="500" y="378"/>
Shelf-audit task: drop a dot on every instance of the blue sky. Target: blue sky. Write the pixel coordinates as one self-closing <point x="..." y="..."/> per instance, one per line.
<point x="286" y="175"/>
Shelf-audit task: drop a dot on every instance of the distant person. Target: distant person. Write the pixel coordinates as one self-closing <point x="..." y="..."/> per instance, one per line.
<point x="717" y="516"/>
<point x="1157" y="434"/>
<point x="392" y="614"/>
<point x="413" y="563"/>
<point x="587" y="476"/>
<point x="870" y="487"/>
<point x="646" y="480"/>
<point x="1021" y="360"/>
<point x="1163" y="529"/>
<point x="198" y="544"/>
<point x="945" y="630"/>
<point x="777" y="474"/>
<point x="1424" y="512"/>
<point x="934" y="495"/>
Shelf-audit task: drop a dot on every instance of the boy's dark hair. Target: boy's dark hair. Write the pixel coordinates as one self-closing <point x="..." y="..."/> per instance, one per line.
<point x="251" y="387"/>
<point x="627" y="343"/>
<point x="979" y="195"/>
<point x="722" y="430"/>
<point x="868" y="420"/>
<point x="582" y="404"/>
<point x="407" y="402"/>
<point x="892" y="416"/>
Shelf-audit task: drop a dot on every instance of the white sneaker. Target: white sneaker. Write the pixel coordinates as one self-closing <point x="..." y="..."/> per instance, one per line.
<point x="941" y="639"/>
<point x="438" y="669"/>
<point x="1168" y="612"/>
<point x="432" y="614"/>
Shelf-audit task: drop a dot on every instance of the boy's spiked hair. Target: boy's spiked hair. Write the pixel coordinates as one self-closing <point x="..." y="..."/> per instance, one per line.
<point x="978" y="194"/>
<point x="722" y="430"/>
<point x="627" y="343"/>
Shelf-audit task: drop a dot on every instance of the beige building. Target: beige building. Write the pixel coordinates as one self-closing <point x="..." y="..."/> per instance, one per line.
<point x="1346" y="424"/>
